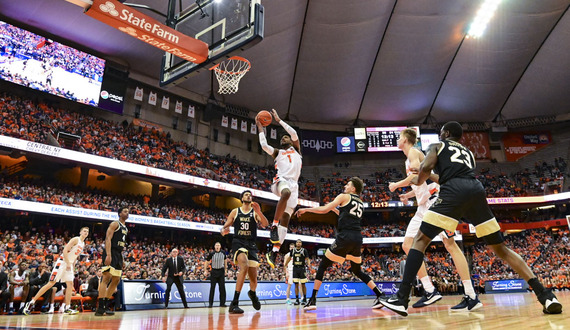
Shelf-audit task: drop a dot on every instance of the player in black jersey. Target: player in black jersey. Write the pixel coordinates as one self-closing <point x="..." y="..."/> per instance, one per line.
<point x="245" y="219"/>
<point x="112" y="261"/>
<point x="348" y="240"/>
<point x="300" y="257"/>
<point x="461" y="195"/>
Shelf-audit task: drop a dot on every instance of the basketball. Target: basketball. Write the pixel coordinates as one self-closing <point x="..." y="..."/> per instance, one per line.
<point x="264" y="117"/>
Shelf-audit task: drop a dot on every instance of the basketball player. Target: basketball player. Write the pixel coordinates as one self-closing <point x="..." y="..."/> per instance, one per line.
<point x="63" y="272"/>
<point x="288" y="271"/>
<point x="112" y="261"/>
<point x="425" y="196"/>
<point x="300" y="257"/>
<point x="288" y="162"/>
<point x="245" y="219"/>
<point x="461" y="195"/>
<point x="348" y="242"/>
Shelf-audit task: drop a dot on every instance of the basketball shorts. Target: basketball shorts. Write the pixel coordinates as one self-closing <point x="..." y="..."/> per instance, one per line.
<point x="347" y="246"/>
<point x="299" y="275"/>
<point x="279" y="184"/>
<point x="116" y="266"/>
<point x="60" y="272"/>
<point x="19" y="291"/>
<point x="416" y="221"/>
<point x="462" y="198"/>
<point x="248" y="247"/>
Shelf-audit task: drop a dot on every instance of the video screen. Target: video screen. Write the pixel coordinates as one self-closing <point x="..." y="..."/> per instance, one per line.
<point x="36" y="62"/>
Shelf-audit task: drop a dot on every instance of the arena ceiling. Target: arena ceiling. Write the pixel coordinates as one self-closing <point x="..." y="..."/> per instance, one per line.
<point x="372" y="61"/>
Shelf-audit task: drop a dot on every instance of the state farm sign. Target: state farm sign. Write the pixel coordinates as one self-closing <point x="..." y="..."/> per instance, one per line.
<point x="149" y="30"/>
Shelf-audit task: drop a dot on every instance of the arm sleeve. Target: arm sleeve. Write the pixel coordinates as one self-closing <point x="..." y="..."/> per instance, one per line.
<point x="263" y="141"/>
<point x="290" y="130"/>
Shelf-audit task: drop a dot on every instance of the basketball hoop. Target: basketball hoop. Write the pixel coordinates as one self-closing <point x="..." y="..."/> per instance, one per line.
<point x="230" y="72"/>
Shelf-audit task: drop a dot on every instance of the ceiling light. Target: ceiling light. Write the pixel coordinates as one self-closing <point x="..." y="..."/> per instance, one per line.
<point x="484" y="15"/>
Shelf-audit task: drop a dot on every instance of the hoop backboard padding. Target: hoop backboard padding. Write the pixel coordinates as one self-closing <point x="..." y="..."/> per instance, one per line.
<point x="230" y="72"/>
<point x="149" y="30"/>
<point x="228" y="27"/>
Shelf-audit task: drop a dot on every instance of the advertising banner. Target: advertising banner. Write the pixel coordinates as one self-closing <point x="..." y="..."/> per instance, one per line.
<point x="150" y="293"/>
<point x="500" y="286"/>
<point x="317" y="143"/>
<point x="518" y="145"/>
<point x="149" y="30"/>
<point x="478" y="143"/>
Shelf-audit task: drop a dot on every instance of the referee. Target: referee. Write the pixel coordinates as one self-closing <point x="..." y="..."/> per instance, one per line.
<point x="218" y="274"/>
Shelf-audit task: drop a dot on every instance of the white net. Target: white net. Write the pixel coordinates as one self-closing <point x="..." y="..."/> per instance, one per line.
<point x="230" y="72"/>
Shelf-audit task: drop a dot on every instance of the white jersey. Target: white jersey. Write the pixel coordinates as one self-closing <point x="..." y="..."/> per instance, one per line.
<point x="288" y="164"/>
<point x="75" y="251"/>
<point x="423" y="192"/>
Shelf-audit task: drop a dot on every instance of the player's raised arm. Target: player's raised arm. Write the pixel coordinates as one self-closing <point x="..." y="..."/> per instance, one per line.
<point x="259" y="216"/>
<point x="339" y="200"/>
<point x="290" y="130"/>
<point x="263" y="141"/>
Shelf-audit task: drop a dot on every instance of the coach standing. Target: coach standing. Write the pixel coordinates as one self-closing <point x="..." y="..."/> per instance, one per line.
<point x="175" y="267"/>
<point x="218" y="274"/>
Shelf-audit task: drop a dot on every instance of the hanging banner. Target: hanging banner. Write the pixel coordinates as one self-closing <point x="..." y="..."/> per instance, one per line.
<point x="234" y="123"/>
<point x="178" y="108"/>
<point x="165" y="102"/>
<point x="273" y="133"/>
<point x="478" y="143"/>
<point x="152" y="98"/>
<point x="138" y="94"/>
<point x="191" y="111"/>
<point x="244" y="126"/>
<point x="518" y="145"/>
<point x="224" y="121"/>
<point x="253" y="129"/>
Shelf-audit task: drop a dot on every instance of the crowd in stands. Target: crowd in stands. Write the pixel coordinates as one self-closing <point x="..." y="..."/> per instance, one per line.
<point x="547" y="253"/>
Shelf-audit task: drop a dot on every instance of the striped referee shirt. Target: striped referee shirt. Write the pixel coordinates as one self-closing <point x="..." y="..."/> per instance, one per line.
<point x="218" y="259"/>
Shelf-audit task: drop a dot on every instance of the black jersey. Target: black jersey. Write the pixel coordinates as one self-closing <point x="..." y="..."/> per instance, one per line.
<point x="454" y="160"/>
<point x="119" y="238"/>
<point x="350" y="215"/>
<point x="245" y="226"/>
<point x="299" y="256"/>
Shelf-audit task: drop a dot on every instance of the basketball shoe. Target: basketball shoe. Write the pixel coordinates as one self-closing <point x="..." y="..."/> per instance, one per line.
<point x="254" y="300"/>
<point x="467" y="304"/>
<point x="396" y="304"/>
<point x="311" y="305"/>
<point x="270" y="255"/>
<point x="28" y="308"/>
<point x="550" y="304"/>
<point x="234" y="308"/>
<point x="428" y="299"/>
<point x="274" y="235"/>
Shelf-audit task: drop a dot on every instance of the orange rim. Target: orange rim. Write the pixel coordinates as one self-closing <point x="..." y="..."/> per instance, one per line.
<point x="238" y="58"/>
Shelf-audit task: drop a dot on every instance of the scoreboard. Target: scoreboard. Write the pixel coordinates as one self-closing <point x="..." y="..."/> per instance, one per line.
<point x="372" y="139"/>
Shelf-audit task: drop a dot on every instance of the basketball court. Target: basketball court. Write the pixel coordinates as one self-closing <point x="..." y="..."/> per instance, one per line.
<point x="506" y="311"/>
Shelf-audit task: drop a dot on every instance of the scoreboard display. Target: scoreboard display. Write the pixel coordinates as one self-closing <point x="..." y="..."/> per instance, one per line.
<point x="372" y="139"/>
<point x="383" y="138"/>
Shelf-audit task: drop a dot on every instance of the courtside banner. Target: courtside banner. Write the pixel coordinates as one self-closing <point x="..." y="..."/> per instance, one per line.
<point x="78" y="212"/>
<point x="81" y="157"/>
<point x="500" y="286"/>
<point x="149" y="30"/>
<point x="152" y="292"/>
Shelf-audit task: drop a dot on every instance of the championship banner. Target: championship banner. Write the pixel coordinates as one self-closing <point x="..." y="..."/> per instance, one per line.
<point x="518" y="145"/>
<point x="478" y="143"/>
<point x="149" y="294"/>
<point x="149" y="30"/>
<point x="317" y="143"/>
